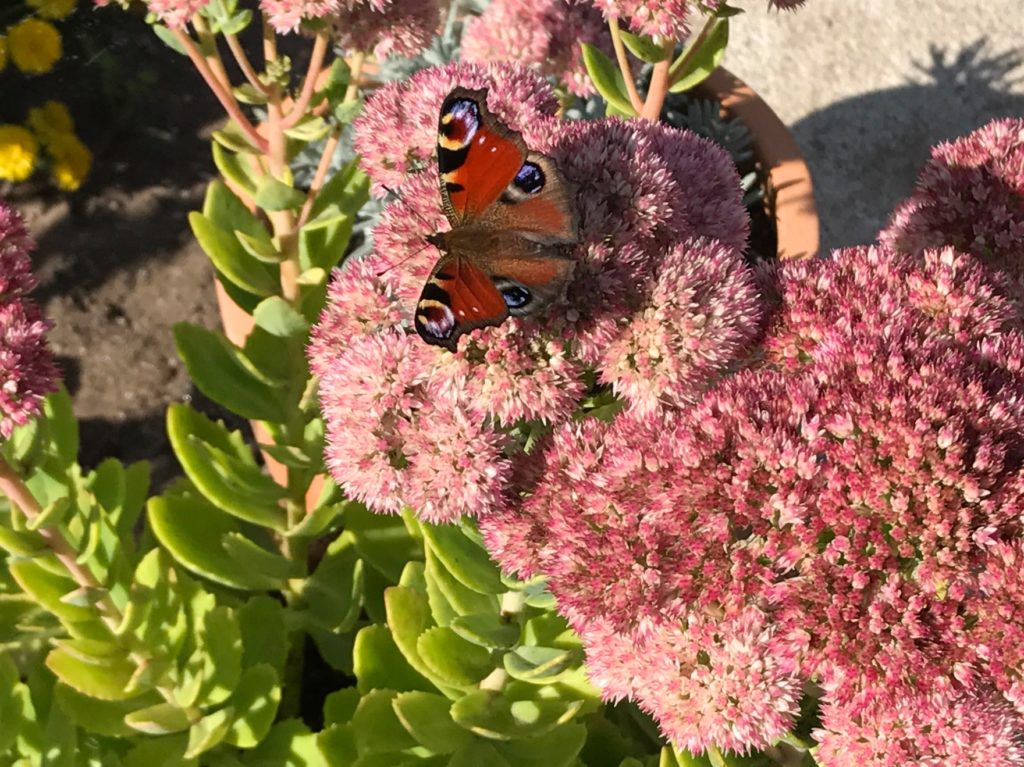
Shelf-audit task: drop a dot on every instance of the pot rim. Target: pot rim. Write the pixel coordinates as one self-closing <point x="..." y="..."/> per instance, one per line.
<point x="790" y="190"/>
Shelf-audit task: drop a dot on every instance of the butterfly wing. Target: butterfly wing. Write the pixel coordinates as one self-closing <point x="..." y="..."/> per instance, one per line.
<point x="489" y="180"/>
<point x="509" y="275"/>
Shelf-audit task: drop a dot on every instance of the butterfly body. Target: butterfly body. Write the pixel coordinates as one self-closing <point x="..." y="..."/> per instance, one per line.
<point x="511" y="215"/>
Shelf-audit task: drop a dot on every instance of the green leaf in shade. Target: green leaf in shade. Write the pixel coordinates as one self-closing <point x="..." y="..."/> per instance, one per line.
<point x="279" y="318"/>
<point x="441" y="608"/>
<point x="336" y="649"/>
<point x="488" y="630"/>
<point x="452" y="659"/>
<point x="644" y="48"/>
<point x="309" y="128"/>
<point x="168" y="38"/>
<point x="237" y="169"/>
<point x="21" y="544"/>
<point x="260" y="248"/>
<point x="337" y="744"/>
<point x="382" y="540"/>
<point x="48" y="589"/>
<point x="254" y="559"/>
<point x="478" y="753"/>
<point x="489" y="714"/>
<point x="161" y="719"/>
<point x="106" y="682"/>
<point x="380" y="664"/>
<point x="219" y="649"/>
<point x="607" y="78"/>
<point x="213" y="365"/>
<point x="377" y="727"/>
<point x="464" y="559"/>
<point x="460" y="599"/>
<point x="318" y="520"/>
<point x="272" y="194"/>
<point x="288" y="744"/>
<point x="248" y="93"/>
<point x="340" y="706"/>
<point x="230" y="258"/>
<point x="12" y="709"/>
<point x="268" y="358"/>
<point x="61" y="425"/>
<point x="691" y="68"/>
<point x="192" y="530"/>
<point x="558" y="748"/>
<point x="408" y="616"/>
<point x="332" y="595"/>
<point x="428" y="719"/>
<point x="539" y="665"/>
<point x="264" y="636"/>
<point x="221" y="466"/>
<point x="255" y="700"/>
<point x="167" y="751"/>
<point x="208" y="732"/>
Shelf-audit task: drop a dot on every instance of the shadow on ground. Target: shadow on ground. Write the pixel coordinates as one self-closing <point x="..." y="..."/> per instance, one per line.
<point x="865" y="153"/>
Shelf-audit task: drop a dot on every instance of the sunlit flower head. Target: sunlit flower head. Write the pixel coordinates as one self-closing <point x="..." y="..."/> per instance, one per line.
<point x="286" y="15"/>
<point x="16" y="278"/>
<point x="545" y="34"/>
<point x="71" y="161"/>
<point x="18" y="152"/>
<point x="970" y="195"/>
<point x="398" y="27"/>
<point x="657" y="18"/>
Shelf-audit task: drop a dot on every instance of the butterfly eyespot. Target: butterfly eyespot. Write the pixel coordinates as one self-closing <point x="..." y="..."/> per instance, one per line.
<point x="530" y="178"/>
<point x="515" y="296"/>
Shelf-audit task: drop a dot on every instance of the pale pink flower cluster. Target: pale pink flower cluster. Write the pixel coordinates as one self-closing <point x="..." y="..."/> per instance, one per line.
<point x="544" y="34"/>
<point x="27" y="370"/>
<point x="387" y="27"/>
<point x="449" y="429"/>
<point x="657" y="18"/>
<point x="286" y="15"/>
<point x="970" y="195"/>
<point x="846" y="511"/>
<point x="174" y="13"/>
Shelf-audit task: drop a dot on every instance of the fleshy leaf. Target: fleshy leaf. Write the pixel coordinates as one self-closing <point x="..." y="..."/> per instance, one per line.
<point x="380" y="664"/>
<point x="428" y="719"/>
<point x="539" y="665"/>
<point x="452" y="659"/>
<point x="161" y="719"/>
<point x="607" y="78"/>
<point x="256" y="699"/>
<point x="208" y="732"/>
<point x="691" y="68"/>
<point x="464" y="559"/>
<point x="377" y="727"/>
<point x="486" y="629"/>
<point x="106" y="682"/>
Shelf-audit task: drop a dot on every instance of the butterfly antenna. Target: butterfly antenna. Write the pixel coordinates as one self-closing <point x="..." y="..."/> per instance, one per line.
<point x="422" y="220"/>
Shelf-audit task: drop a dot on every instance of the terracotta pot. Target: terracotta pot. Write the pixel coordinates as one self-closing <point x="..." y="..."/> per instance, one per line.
<point x="790" y="193"/>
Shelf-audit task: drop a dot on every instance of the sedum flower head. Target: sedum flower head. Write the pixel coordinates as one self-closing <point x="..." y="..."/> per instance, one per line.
<point x="35" y="45"/>
<point x="18" y="152"/>
<point x="396" y="27"/>
<point x="970" y="195"/>
<point x="27" y="370"/>
<point x="657" y="18"/>
<point x="544" y="34"/>
<point x="286" y="15"/>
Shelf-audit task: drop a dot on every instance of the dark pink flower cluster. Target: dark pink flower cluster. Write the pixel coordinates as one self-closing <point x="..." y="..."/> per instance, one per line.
<point x="544" y="34"/>
<point x="970" y="195"/>
<point x="660" y="304"/>
<point x="27" y="370"/>
<point x="666" y="18"/>
<point x="387" y="27"/>
<point x="847" y="512"/>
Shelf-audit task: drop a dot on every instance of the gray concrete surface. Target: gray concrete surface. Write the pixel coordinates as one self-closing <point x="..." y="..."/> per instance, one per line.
<point x="868" y="86"/>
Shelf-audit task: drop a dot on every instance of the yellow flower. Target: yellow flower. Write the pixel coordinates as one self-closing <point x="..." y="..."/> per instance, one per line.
<point x="53" y="9"/>
<point x="71" y="161"/>
<point x="35" y="45"/>
<point x="3" y="53"/>
<point x="49" y="121"/>
<point x="18" y="149"/>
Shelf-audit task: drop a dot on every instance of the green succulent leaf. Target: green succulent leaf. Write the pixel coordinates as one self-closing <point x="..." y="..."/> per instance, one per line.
<point x="490" y="714"/>
<point x="309" y="128"/>
<point x="208" y="732"/>
<point x="279" y="318"/>
<point x="539" y="665"/>
<point x="377" y="727"/>
<point x="340" y="706"/>
<point x="230" y="258"/>
<point x="644" y="48"/>
<point x="488" y="630"/>
<point x="383" y="541"/>
<point x="167" y="751"/>
<point x="161" y="719"/>
<point x="379" y="664"/>
<point x="13" y="700"/>
<point x="464" y="559"/>
<point x="559" y="747"/>
<point x="332" y="595"/>
<point x="408" y="616"/>
<point x="48" y="590"/>
<point x="214" y="364"/>
<point x="256" y="560"/>
<point x="275" y="195"/>
<point x="256" y="699"/>
<point x="264" y="635"/>
<point x="607" y="78"/>
<point x="61" y="425"/>
<point x="192" y="530"/>
<point x="288" y="744"/>
<point x="107" y="681"/>
<point x="237" y="169"/>
<point x="692" y="67"/>
<point x="427" y="718"/>
<point x="452" y="659"/>
<point x="459" y="599"/>
<point x="21" y="544"/>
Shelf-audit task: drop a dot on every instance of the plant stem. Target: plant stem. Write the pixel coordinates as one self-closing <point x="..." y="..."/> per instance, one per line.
<point x="12" y="485"/>
<point x="656" y="94"/>
<point x="623" y="59"/>
<point x="208" y="47"/>
<point x="223" y="96"/>
<point x="235" y="46"/>
<point x="321" y="175"/>
<point x="316" y="63"/>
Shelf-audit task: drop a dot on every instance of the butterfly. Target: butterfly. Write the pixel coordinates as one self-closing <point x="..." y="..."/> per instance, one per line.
<point x="512" y="214"/>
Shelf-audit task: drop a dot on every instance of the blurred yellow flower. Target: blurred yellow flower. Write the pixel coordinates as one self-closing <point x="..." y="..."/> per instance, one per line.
<point x="18" y="150"/>
<point x="35" y="45"/>
<point x="53" y="9"/>
<point x="49" y="121"/>
<point x="3" y="53"/>
<point x="71" y="161"/>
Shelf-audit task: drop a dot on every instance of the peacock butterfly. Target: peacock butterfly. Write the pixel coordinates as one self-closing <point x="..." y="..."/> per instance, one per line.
<point x="511" y="214"/>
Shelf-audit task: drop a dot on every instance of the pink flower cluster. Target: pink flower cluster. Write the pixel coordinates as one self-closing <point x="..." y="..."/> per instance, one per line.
<point x="27" y="370"/>
<point x="174" y="13"/>
<point x="666" y="18"/>
<point x="660" y="291"/>
<point x="544" y="34"/>
<point x="403" y="27"/>
<point x="971" y="195"/>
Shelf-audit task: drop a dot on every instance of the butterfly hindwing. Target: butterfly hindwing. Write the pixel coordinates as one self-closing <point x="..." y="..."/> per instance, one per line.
<point x="458" y="297"/>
